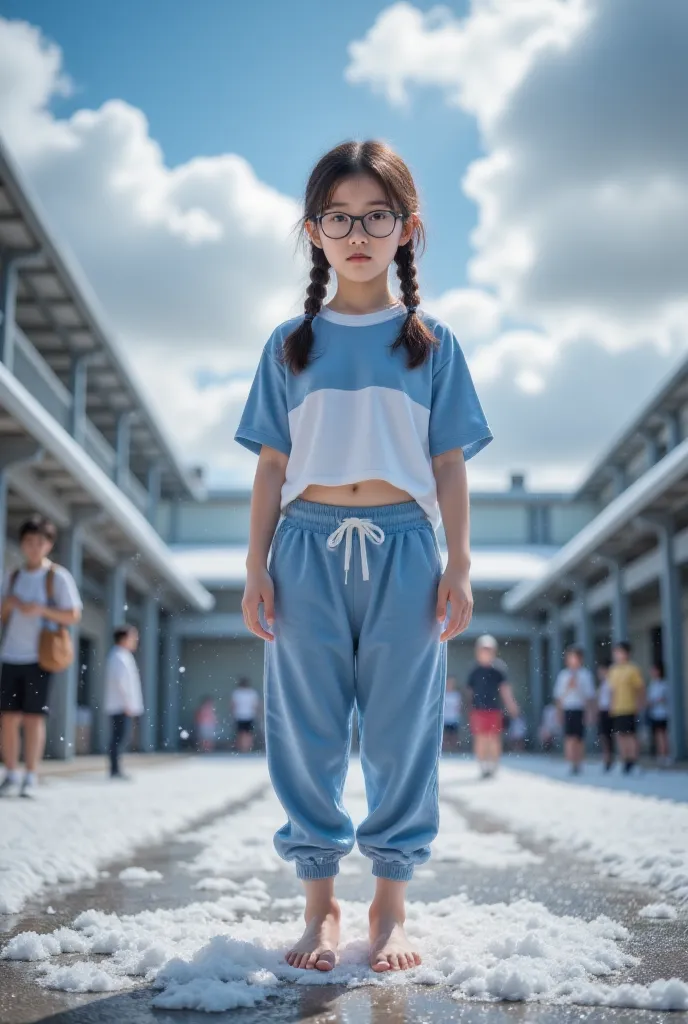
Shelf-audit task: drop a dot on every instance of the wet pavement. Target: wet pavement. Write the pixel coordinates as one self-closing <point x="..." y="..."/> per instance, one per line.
<point x="565" y="885"/>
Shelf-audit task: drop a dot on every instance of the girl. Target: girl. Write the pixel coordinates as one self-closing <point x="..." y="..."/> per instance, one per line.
<point x="362" y="413"/>
<point x="574" y="694"/>
<point x="658" y="713"/>
<point x="604" y="721"/>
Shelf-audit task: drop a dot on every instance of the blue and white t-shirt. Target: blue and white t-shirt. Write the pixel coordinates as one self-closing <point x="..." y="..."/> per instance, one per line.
<point x="358" y="413"/>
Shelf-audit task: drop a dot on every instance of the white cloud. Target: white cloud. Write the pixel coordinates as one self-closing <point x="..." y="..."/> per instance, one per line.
<point x="582" y="194"/>
<point x="194" y="265"/>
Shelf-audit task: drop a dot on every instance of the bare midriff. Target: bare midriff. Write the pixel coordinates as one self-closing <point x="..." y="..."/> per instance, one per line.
<point x="359" y="495"/>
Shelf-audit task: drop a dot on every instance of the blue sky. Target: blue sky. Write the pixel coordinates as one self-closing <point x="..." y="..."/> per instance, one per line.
<point x="174" y="169"/>
<point x="216" y="77"/>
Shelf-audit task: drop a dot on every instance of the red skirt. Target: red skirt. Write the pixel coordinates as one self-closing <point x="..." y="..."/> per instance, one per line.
<point x="486" y="723"/>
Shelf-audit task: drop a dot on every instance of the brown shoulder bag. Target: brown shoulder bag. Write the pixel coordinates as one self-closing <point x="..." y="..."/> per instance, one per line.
<point x="55" y="646"/>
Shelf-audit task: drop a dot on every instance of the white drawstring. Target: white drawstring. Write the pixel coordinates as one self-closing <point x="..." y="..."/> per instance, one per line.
<point x="366" y="528"/>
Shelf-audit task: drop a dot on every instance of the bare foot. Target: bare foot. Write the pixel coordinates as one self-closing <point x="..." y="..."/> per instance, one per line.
<point x="317" y="947"/>
<point x="390" y="950"/>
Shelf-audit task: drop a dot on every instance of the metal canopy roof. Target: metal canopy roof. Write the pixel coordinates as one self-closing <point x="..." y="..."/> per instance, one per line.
<point x="618" y="532"/>
<point x="669" y="397"/>
<point x="60" y="315"/>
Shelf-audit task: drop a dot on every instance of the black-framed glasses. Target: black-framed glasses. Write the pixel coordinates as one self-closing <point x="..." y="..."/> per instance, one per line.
<point x="377" y="223"/>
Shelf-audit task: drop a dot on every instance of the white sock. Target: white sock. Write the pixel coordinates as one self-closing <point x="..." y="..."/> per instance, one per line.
<point x="30" y="779"/>
<point x="13" y="775"/>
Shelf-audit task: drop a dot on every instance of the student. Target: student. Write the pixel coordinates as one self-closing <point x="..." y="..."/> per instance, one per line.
<point x="206" y="726"/>
<point x="574" y="693"/>
<point x="550" y="729"/>
<point x="123" y="696"/>
<point x="658" y="713"/>
<point x="452" y="716"/>
<point x="363" y="413"/>
<point x="245" y="704"/>
<point x="489" y="692"/>
<point x="605" y="734"/>
<point x="40" y="594"/>
<point x="628" y="700"/>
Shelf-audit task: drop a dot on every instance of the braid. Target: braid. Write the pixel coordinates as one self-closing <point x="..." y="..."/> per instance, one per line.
<point x="416" y="338"/>
<point x="297" y="346"/>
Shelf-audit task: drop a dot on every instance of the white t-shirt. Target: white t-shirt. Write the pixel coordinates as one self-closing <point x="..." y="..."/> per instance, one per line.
<point x="574" y="689"/>
<point x="604" y="696"/>
<point x="122" y="683"/>
<point x="245" y="702"/>
<point x="550" y="720"/>
<point x="452" y="707"/>
<point x="658" y="700"/>
<point x="21" y="633"/>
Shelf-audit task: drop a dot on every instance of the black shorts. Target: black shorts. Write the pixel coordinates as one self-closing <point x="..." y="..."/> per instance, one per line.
<point x="604" y="724"/>
<point x="624" y="724"/>
<point x="658" y="725"/>
<point x="24" y="688"/>
<point x="573" y="724"/>
<point x="451" y="726"/>
<point x="244" y="725"/>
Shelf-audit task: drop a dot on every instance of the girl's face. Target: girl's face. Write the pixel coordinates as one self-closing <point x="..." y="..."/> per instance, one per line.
<point x="360" y="257"/>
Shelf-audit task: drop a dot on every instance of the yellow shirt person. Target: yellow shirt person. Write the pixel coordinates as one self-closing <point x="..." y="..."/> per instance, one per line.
<point x="627" y="689"/>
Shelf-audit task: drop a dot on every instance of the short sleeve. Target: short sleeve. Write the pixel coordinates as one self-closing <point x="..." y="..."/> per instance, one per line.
<point x="66" y="594"/>
<point x="265" y="419"/>
<point x="456" y="416"/>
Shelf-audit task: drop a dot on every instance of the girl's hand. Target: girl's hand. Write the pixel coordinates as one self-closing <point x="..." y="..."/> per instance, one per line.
<point x="259" y="588"/>
<point x="455" y="588"/>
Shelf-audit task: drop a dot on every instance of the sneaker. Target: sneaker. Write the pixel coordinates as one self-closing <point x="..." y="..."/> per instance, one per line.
<point x="28" y="790"/>
<point x="121" y="777"/>
<point x="9" y="787"/>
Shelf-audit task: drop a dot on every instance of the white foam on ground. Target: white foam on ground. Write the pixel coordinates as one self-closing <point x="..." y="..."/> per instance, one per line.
<point x="659" y="912"/>
<point x="81" y="823"/>
<point x="136" y="874"/>
<point x="220" y="955"/>
<point x="637" y="838"/>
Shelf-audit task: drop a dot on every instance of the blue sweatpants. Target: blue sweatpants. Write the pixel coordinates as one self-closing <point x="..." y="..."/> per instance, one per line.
<point x="357" y="629"/>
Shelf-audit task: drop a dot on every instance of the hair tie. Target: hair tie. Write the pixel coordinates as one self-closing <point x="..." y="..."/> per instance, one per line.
<point x="411" y="309"/>
<point x="309" y="317"/>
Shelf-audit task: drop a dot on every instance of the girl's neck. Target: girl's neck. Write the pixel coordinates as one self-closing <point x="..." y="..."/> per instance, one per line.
<point x="353" y="298"/>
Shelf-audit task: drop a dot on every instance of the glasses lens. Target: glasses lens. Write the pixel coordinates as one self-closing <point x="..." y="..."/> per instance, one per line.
<point x="379" y="223"/>
<point x="335" y="225"/>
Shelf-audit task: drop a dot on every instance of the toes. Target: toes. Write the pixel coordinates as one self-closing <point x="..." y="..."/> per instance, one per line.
<point x="325" y="960"/>
<point x="394" y="961"/>
<point x="404" y="962"/>
<point x="379" y="966"/>
<point x="290" y="957"/>
<point x="311" y="962"/>
<point x="417" y="959"/>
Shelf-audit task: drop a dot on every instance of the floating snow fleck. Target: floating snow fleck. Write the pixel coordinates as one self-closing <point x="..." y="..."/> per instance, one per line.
<point x="50" y="910"/>
<point x="183" y="734"/>
<point x="659" y="911"/>
<point x="135" y="874"/>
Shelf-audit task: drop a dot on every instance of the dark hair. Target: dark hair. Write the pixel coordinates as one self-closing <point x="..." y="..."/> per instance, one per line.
<point x="345" y="161"/>
<point x="575" y="649"/>
<point x="624" y="645"/>
<point x="604" y="663"/>
<point x="122" y="632"/>
<point x="38" y="524"/>
<point x="243" y="681"/>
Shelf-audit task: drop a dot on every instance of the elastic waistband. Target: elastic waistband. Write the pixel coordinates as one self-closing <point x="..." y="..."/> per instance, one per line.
<point x="311" y="515"/>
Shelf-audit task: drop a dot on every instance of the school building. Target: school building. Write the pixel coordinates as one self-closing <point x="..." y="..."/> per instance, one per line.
<point x="146" y="543"/>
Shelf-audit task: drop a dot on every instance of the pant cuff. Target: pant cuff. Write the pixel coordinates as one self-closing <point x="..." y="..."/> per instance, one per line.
<point x="308" y="871"/>
<point x="395" y="871"/>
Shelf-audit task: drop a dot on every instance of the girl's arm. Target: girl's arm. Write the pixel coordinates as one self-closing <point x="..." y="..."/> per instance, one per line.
<point x="265" y="510"/>
<point x="449" y="470"/>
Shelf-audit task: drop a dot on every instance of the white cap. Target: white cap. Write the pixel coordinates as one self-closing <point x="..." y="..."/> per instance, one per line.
<point x="487" y="641"/>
